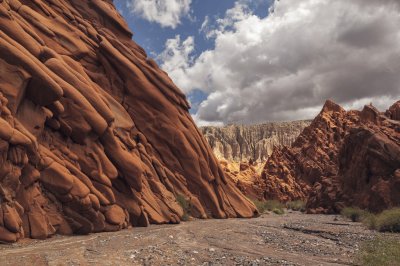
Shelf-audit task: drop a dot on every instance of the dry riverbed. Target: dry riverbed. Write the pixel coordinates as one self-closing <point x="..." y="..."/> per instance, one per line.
<point x="290" y="239"/>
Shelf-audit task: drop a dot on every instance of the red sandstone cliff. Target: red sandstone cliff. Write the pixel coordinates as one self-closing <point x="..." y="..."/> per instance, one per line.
<point x="342" y="159"/>
<point x="93" y="135"/>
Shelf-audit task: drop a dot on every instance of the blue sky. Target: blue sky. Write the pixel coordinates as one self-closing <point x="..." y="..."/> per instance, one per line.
<point x="251" y="66"/>
<point x="152" y="36"/>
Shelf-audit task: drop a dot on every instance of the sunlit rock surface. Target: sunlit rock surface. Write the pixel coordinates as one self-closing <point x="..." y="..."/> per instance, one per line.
<point x="93" y="135"/>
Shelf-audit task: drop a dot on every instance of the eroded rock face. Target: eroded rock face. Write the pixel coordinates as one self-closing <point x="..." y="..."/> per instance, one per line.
<point x="240" y="143"/>
<point x="279" y="177"/>
<point x="243" y="150"/>
<point x="342" y="159"/>
<point x="247" y="177"/>
<point x="93" y="135"/>
<point x="369" y="167"/>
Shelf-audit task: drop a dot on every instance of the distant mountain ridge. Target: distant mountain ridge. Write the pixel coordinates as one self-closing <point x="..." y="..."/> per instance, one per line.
<point x="252" y="142"/>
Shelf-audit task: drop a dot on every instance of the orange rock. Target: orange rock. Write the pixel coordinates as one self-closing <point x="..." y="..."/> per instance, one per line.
<point x="79" y="189"/>
<point x="57" y="178"/>
<point x="394" y="111"/>
<point x="115" y="215"/>
<point x="38" y="225"/>
<point x="84" y="116"/>
<point x="342" y="158"/>
<point x="12" y="220"/>
<point x="247" y="177"/>
<point x="95" y="202"/>
<point x="6" y="236"/>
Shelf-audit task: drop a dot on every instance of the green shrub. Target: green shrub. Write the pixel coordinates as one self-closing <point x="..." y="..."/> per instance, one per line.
<point x="354" y="213"/>
<point x="388" y="221"/>
<point x="185" y="206"/>
<point x="383" y="252"/>
<point x="370" y="221"/>
<point x="260" y="205"/>
<point x="185" y="217"/>
<point x="269" y="205"/>
<point x="278" y="211"/>
<point x="297" y="205"/>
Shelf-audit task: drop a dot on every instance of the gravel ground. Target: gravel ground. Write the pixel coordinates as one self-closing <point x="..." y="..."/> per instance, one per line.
<point x="290" y="239"/>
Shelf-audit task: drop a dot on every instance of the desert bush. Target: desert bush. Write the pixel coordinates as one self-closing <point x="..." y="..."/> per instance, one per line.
<point x="185" y="206"/>
<point x="278" y="211"/>
<point x="354" y="213"/>
<point x="269" y="205"/>
<point x="260" y="205"/>
<point x="370" y="221"/>
<point x="383" y="252"/>
<point x="297" y="205"/>
<point x="388" y="221"/>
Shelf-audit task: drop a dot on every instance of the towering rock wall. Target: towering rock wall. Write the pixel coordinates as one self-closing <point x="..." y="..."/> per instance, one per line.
<point x="93" y="135"/>
<point x="369" y="166"/>
<point x="256" y="142"/>
<point x="344" y="158"/>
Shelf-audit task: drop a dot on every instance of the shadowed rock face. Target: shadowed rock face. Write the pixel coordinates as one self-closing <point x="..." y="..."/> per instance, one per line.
<point x="242" y="143"/>
<point x="93" y="135"/>
<point x="342" y="159"/>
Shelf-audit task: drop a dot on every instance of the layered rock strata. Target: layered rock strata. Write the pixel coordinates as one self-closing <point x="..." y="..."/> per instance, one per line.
<point x="93" y="135"/>
<point x="241" y="143"/>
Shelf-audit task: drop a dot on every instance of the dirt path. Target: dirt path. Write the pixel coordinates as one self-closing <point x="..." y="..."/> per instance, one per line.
<point x="290" y="239"/>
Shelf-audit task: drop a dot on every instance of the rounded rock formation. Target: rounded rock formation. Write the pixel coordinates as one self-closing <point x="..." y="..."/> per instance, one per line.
<point x="93" y="135"/>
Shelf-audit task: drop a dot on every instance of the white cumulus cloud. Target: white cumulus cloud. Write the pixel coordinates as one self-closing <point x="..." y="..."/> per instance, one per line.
<point x="177" y="59"/>
<point x="284" y="66"/>
<point x="167" y="13"/>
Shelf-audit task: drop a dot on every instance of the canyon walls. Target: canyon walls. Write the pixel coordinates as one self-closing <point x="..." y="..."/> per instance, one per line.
<point x="244" y="149"/>
<point x="341" y="158"/>
<point x="93" y="135"/>
<point x="344" y="158"/>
